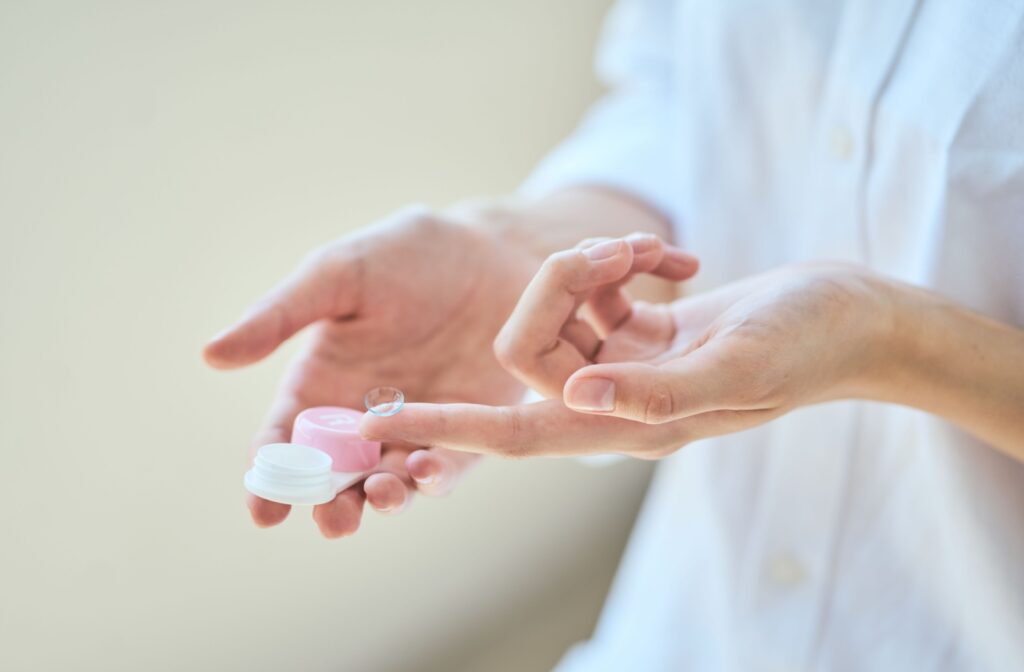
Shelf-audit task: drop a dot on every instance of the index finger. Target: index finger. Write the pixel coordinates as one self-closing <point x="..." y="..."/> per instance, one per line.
<point x="545" y="428"/>
<point x="543" y="342"/>
<point x="326" y="284"/>
<point x="531" y="343"/>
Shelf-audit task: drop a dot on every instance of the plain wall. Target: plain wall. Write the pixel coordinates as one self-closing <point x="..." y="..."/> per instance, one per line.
<point x="161" y="165"/>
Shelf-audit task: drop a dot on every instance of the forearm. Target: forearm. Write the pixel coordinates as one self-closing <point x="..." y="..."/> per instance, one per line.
<point x="560" y="221"/>
<point x="957" y="364"/>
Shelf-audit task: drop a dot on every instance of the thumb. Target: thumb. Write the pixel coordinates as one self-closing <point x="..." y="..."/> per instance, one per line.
<point x="324" y="285"/>
<point x="647" y="393"/>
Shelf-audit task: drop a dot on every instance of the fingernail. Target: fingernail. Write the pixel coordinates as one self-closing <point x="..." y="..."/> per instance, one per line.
<point x="605" y="250"/>
<point x="429" y="480"/>
<point x="591" y="394"/>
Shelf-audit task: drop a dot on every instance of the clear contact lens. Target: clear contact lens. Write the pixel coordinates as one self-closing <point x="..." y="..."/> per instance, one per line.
<point x="384" y="401"/>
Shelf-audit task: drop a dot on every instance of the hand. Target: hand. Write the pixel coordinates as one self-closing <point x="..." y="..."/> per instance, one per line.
<point x="643" y="379"/>
<point x="412" y="302"/>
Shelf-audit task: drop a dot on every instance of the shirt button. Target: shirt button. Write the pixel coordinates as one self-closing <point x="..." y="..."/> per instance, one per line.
<point x="841" y="143"/>
<point x="785" y="570"/>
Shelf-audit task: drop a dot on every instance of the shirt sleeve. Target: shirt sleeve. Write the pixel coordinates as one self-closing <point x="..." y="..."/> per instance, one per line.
<point x="623" y="141"/>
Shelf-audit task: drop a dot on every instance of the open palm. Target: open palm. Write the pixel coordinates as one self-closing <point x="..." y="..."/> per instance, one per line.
<point x="413" y="302"/>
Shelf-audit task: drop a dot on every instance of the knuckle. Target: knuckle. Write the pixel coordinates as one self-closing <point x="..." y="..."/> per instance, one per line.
<point x="754" y="379"/>
<point x="762" y="393"/>
<point x="420" y="220"/>
<point x="317" y="256"/>
<point x="414" y="211"/>
<point x="660" y="406"/>
<point x="442" y="423"/>
<point x="507" y="351"/>
<point x="648" y="241"/>
<point x="511" y="443"/>
<point x="484" y="209"/>
<point x="285" y="320"/>
<point x="565" y="268"/>
<point x="588" y="242"/>
<point x="761" y="388"/>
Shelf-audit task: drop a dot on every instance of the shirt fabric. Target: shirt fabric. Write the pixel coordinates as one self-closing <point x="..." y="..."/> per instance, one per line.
<point x="889" y="133"/>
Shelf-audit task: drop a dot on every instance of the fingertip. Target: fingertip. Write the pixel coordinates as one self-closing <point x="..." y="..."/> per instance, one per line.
<point x="231" y="347"/>
<point x="386" y="493"/>
<point x="644" y="243"/>
<point x="606" y="250"/>
<point x="391" y="427"/>
<point x="266" y="513"/>
<point x="688" y="260"/>
<point x="342" y="516"/>
<point x="605" y="262"/>
<point x="215" y="354"/>
<point x="254" y="336"/>
<point x="675" y="271"/>
<point x="372" y="427"/>
<point x="681" y="263"/>
<point x="457" y="426"/>
<point x="425" y="467"/>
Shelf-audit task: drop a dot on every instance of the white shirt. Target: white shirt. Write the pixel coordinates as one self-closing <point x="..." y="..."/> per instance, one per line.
<point x="851" y="535"/>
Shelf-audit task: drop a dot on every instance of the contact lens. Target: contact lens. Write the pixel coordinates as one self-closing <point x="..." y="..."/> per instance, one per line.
<point x="384" y="401"/>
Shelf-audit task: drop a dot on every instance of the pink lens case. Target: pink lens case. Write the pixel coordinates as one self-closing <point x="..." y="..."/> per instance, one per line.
<point x="335" y="431"/>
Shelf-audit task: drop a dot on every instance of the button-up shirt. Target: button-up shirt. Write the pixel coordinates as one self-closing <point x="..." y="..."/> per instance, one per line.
<point x="889" y="133"/>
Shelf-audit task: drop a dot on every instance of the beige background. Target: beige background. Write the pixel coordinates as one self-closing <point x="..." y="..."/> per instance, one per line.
<point x="162" y="164"/>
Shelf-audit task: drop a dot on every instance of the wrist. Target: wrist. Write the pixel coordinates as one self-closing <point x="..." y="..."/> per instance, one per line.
<point x="559" y="221"/>
<point x="875" y="332"/>
<point x="957" y="364"/>
<point x="536" y="229"/>
<point x="506" y="222"/>
<point x="909" y="348"/>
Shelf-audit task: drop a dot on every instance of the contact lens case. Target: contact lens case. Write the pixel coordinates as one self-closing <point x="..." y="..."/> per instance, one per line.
<point x="325" y="456"/>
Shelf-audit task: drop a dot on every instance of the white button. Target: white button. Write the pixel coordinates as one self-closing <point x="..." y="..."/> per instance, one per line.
<point x="785" y="570"/>
<point x="841" y="142"/>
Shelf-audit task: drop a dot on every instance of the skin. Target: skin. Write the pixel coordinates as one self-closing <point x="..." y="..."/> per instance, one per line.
<point x="643" y="380"/>
<point x="702" y="366"/>
<point x="414" y="301"/>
